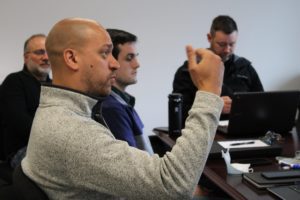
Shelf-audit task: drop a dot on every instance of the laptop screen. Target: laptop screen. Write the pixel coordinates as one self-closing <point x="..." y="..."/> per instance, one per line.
<point x="255" y="113"/>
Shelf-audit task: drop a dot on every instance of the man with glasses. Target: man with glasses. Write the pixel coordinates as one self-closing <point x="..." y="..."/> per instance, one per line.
<point x="239" y="75"/>
<point x="118" y="108"/>
<point x="20" y="93"/>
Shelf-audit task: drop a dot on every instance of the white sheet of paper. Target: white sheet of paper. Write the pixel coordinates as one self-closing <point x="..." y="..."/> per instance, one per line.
<point x="224" y="123"/>
<point x="242" y="144"/>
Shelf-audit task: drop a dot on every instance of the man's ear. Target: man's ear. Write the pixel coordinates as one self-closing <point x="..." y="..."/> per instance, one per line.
<point x="209" y="37"/>
<point x="71" y="59"/>
<point x="25" y="57"/>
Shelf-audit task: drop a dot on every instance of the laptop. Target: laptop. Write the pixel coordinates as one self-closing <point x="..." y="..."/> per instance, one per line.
<point x="255" y="113"/>
<point x="269" y="179"/>
<point x="291" y="192"/>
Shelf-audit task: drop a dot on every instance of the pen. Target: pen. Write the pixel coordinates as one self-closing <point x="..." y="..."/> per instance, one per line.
<point x="241" y="143"/>
<point x="289" y="166"/>
<point x="295" y="166"/>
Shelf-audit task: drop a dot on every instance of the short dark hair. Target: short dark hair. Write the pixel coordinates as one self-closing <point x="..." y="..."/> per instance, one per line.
<point x="30" y="38"/>
<point x="223" y="23"/>
<point x="120" y="37"/>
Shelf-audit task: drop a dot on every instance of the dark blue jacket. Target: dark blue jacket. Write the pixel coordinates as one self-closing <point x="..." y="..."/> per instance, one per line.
<point x="124" y="122"/>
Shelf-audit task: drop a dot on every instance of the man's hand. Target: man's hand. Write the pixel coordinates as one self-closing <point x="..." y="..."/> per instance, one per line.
<point x="208" y="74"/>
<point x="227" y="104"/>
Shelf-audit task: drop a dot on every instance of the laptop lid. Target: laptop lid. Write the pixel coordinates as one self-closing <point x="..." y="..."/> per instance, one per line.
<point x="286" y="192"/>
<point x="255" y="113"/>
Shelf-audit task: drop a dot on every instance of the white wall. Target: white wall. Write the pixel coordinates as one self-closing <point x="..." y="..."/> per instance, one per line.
<point x="269" y="37"/>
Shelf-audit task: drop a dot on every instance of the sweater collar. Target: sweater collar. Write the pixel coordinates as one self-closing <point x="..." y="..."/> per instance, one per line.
<point x="76" y="101"/>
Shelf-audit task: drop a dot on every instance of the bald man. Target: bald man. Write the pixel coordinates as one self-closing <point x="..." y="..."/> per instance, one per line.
<point x="71" y="156"/>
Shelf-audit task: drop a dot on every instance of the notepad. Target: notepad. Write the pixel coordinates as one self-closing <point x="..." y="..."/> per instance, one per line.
<point x="242" y="144"/>
<point x="243" y="151"/>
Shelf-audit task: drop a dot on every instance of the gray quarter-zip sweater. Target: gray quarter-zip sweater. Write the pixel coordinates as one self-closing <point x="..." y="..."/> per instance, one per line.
<point x="71" y="156"/>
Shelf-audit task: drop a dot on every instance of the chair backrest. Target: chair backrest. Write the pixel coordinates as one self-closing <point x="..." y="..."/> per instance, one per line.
<point x="2" y="157"/>
<point x="6" y="171"/>
<point x="27" y="188"/>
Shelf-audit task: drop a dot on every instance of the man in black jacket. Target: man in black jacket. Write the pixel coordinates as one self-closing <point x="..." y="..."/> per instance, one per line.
<point x="19" y="98"/>
<point x="239" y="75"/>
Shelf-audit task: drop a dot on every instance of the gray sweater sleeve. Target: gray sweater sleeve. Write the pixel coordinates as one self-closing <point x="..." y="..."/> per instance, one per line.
<point x="130" y="173"/>
<point x="85" y="158"/>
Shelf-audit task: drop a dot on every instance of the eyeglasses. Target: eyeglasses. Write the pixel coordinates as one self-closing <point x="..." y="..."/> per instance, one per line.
<point x="38" y="52"/>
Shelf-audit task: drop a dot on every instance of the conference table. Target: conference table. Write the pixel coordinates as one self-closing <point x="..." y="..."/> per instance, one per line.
<point x="234" y="185"/>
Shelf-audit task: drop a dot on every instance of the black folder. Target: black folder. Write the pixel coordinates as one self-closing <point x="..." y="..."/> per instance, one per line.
<point x="261" y="182"/>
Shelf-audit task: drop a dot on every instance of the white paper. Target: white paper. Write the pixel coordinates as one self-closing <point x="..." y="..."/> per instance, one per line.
<point x="242" y="144"/>
<point x="224" y="123"/>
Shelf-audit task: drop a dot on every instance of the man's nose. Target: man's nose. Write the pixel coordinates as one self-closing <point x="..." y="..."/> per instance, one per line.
<point x="45" y="56"/>
<point x="113" y="63"/>
<point x="135" y="63"/>
<point x="227" y="49"/>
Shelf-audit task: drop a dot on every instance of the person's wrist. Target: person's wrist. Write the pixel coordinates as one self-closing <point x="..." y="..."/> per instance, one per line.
<point x="212" y="89"/>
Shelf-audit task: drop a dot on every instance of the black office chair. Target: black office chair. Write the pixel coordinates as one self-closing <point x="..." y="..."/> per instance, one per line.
<point x="9" y="192"/>
<point x="6" y="171"/>
<point x="27" y="189"/>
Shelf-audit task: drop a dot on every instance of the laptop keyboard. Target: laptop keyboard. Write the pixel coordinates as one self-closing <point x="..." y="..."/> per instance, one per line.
<point x="295" y="188"/>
